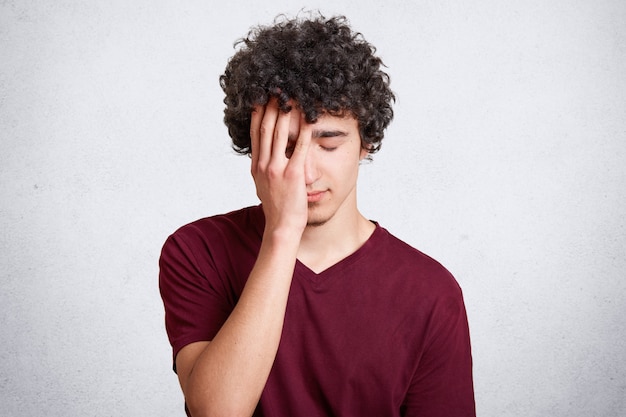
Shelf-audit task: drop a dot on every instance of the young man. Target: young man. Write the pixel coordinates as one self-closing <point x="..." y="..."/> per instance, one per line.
<point x="302" y="306"/>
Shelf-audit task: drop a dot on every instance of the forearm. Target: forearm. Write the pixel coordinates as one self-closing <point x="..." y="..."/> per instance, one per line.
<point x="229" y="375"/>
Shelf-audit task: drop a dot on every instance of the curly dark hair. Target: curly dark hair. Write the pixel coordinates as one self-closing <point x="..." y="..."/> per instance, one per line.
<point x="319" y="63"/>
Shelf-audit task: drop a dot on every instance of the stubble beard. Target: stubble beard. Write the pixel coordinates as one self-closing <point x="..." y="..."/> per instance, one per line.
<point x="315" y="221"/>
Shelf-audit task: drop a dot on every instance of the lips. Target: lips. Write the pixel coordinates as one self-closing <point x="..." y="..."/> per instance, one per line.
<point x="315" y="196"/>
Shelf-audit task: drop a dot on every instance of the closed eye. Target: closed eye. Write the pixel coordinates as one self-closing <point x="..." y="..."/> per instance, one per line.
<point x="329" y="140"/>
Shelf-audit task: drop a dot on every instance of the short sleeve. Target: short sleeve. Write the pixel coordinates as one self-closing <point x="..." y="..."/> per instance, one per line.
<point x="195" y="302"/>
<point x="442" y="384"/>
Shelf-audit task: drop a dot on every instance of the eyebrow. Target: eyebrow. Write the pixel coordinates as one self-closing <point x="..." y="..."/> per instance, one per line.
<point x="328" y="133"/>
<point x="317" y="134"/>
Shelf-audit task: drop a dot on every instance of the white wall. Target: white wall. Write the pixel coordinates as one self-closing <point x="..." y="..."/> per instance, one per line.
<point x="506" y="161"/>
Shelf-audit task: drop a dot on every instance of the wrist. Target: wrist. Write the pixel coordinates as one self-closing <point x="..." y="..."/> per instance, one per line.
<point x="283" y="237"/>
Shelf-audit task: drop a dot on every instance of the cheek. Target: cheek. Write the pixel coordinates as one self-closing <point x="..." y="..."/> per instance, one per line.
<point x="348" y="163"/>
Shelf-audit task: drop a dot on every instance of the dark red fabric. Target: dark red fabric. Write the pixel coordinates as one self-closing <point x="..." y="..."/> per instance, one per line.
<point x="381" y="333"/>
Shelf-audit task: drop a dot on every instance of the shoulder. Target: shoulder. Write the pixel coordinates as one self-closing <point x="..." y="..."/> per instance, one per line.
<point x="247" y="221"/>
<point x="422" y="271"/>
<point x="211" y="240"/>
<point x="217" y="252"/>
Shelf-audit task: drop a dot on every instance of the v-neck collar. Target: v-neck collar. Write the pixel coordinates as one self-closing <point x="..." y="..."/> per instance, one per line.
<point x="343" y="266"/>
<point x="305" y="273"/>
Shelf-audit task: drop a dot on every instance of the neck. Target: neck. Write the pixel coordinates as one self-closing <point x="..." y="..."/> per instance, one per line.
<point x="324" y="245"/>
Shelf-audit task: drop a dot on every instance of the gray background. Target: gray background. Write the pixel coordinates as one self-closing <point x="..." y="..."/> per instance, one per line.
<point x="506" y="162"/>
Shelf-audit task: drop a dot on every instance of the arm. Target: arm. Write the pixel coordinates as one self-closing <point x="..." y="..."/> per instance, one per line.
<point x="442" y="384"/>
<point x="227" y="375"/>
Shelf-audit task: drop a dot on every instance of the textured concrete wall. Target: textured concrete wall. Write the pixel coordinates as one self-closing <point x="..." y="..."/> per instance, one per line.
<point x="506" y="161"/>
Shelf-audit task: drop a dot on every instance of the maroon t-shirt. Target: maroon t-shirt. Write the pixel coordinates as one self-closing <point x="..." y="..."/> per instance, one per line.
<point x="381" y="333"/>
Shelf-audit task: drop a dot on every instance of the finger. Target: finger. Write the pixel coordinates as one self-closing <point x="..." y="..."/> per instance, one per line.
<point x="266" y="131"/>
<point x="255" y="136"/>
<point x="303" y="142"/>
<point x="281" y="137"/>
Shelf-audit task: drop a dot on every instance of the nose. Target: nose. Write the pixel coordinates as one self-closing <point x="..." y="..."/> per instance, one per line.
<point x="311" y="170"/>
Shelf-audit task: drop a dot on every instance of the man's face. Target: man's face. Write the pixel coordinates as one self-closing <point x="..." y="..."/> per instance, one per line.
<point x="331" y="167"/>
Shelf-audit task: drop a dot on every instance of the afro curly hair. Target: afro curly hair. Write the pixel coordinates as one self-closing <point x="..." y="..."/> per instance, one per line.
<point x="320" y="64"/>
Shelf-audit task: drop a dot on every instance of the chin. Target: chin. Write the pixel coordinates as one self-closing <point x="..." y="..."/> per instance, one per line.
<point x="316" y="223"/>
<point x="316" y="218"/>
